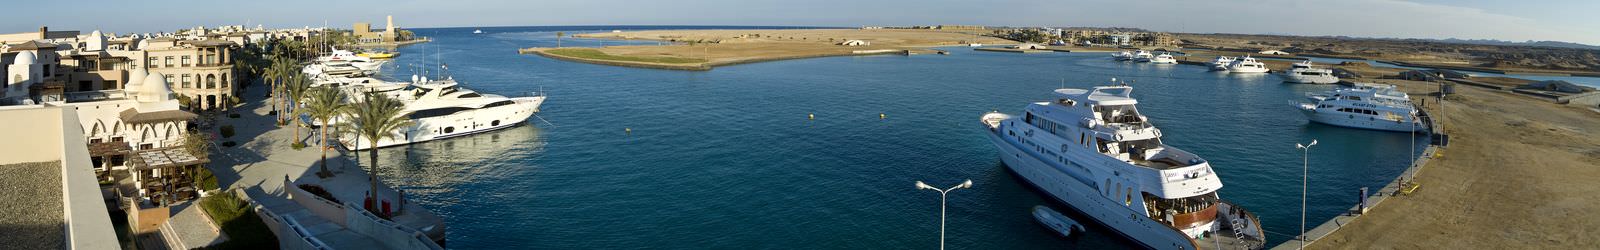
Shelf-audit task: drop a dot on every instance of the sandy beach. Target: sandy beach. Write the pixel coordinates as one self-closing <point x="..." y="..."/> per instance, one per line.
<point x="1519" y="172"/>
<point x="705" y="49"/>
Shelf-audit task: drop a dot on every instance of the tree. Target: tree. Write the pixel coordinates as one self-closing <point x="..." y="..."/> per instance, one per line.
<point x="375" y="118"/>
<point x="324" y="104"/>
<point x="197" y="144"/>
<point x="295" y="88"/>
<point x="558" y="38"/>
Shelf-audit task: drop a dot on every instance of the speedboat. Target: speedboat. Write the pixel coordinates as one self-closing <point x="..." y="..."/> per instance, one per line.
<point x="1247" y="64"/>
<point x="1221" y="63"/>
<point x="1303" y="72"/>
<point x="1122" y="56"/>
<point x="477" y="31"/>
<point x="974" y="45"/>
<point x="1164" y="58"/>
<point x="1142" y="56"/>
<point x="441" y="109"/>
<point x="1365" y="105"/>
<point x="1055" y="221"/>
<point x="1093" y="151"/>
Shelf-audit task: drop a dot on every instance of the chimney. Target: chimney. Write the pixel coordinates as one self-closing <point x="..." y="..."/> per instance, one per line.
<point x="43" y="30"/>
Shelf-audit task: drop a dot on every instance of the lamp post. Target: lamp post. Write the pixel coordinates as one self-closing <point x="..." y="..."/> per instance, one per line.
<point x="942" y="192"/>
<point x="1305" y="152"/>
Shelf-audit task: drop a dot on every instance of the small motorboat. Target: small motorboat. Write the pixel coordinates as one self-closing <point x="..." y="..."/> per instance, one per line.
<point x="477" y="31"/>
<point x="1055" y="221"/>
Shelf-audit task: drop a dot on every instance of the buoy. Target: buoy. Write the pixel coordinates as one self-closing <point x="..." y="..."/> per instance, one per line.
<point x="627" y="130"/>
<point x="810" y="116"/>
<point x="881" y="116"/>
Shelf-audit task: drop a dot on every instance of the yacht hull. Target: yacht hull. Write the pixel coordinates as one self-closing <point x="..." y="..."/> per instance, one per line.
<point x="1086" y="200"/>
<point x="1360" y="121"/>
<point x="1292" y="77"/>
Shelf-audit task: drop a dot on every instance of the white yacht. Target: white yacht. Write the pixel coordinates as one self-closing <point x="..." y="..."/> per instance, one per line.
<point x="1093" y="151"/>
<point x="1368" y="106"/>
<point x="477" y="31"/>
<point x="346" y="56"/>
<point x="1303" y="72"/>
<point x="1221" y="63"/>
<point x="1164" y="58"/>
<point x="1122" y="56"/>
<point x="441" y="109"/>
<point x="356" y="87"/>
<point x="1142" y="56"/>
<point x="1247" y="64"/>
<point x="335" y="69"/>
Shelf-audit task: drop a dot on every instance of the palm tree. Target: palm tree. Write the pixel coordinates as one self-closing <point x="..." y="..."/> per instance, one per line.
<point x="324" y="104"/>
<point x="373" y="119"/>
<point x="558" y="38"/>
<point x="295" y="88"/>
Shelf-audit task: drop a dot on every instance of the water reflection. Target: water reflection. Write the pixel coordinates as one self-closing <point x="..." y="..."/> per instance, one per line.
<point x="440" y="166"/>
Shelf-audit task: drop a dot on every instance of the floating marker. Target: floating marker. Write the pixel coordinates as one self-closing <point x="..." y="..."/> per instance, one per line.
<point x="627" y="130"/>
<point x="810" y="116"/>
<point x="881" y="116"/>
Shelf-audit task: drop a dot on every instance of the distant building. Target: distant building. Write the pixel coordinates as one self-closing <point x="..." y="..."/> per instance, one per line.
<point x="1272" y="52"/>
<point x="365" y="34"/>
<point x="855" y="43"/>
<point x="961" y="27"/>
<point x="1029" y="46"/>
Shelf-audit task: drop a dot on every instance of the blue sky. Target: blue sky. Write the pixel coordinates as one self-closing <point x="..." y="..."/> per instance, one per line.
<point x="1561" y="20"/>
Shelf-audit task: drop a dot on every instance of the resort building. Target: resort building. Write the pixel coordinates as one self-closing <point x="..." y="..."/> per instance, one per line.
<point x="200" y="70"/>
<point x="365" y="34"/>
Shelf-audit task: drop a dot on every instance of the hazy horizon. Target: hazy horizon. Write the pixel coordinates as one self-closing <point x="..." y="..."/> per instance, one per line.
<point x="1561" y="20"/>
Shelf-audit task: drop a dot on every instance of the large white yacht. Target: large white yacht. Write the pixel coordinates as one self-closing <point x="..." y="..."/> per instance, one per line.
<point x="442" y="109"/>
<point x="346" y="56"/>
<point x="1122" y="56"/>
<point x="1092" y="150"/>
<point x="1164" y="58"/>
<point x="336" y="68"/>
<point x="1142" y="56"/>
<point x="1247" y="64"/>
<point x="1303" y="72"/>
<point x="1221" y="63"/>
<point x="1368" y="106"/>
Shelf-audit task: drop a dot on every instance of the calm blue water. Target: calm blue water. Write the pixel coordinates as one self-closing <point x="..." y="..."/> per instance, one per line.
<point x="727" y="158"/>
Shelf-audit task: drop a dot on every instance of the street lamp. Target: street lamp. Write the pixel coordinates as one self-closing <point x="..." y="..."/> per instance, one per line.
<point x="1305" y="152"/>
<point x="942" y="192"/>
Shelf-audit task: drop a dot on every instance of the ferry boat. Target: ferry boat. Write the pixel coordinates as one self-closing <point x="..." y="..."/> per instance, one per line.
<point x="1142" y="56"/>
<point x="1367" y="106"/>
<point x="1303" y="72"/>
<point x="441" y="109"/>
<point x="1164" y="58"/>
<point x="1247" y="64"/>
<point x="1221" y="63"/>
<point x="1122" y="56"/>
<point x="1093" y="151"/>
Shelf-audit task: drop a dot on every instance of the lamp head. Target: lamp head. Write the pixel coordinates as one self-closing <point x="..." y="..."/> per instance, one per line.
<point x="967" y="184"/>
<point x="921" y="185"/>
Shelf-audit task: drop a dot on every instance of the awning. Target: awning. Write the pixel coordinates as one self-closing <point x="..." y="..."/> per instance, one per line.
<point x="134" y="116"/>
<point x="164" y="158"/>
<point x="108" y="148"/>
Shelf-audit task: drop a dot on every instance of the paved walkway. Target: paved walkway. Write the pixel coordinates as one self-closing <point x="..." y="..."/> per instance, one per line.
<point x="189" y="227"/>
<point x="263" y="158"/>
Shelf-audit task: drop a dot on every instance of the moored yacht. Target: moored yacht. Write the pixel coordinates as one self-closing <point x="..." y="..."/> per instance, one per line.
<point x="441" y="109"/>
<point x="346" y="56"/>
<point x="1164" y="58"/>
<point x="1093" y="151"/>
<point x="1368" y="106"/>
<point x="1122" y="56"/>
<point x="1247" y="64"/>
<point x="1303" y="72"/>
<point x="1221" y="63"/>
<point x="1142" y="56"/>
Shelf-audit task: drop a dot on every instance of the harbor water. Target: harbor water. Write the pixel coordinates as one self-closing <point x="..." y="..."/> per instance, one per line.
<point x="732" y="158"/>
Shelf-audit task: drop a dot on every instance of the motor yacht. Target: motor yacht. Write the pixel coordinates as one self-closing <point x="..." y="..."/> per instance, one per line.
<point x="1092" y="150"/>
<point x="441" y="109"/>
<point x="1247" y="64"/>
<point x="1303" y="72"/>
<point x="1122" y="56"/>
<point x="1365" y="105"/>
<point x="346" y="56"/>
<point x="1142" y="56"/>
<point x="1221" y="63"/>
<point x="1164" y="58"/>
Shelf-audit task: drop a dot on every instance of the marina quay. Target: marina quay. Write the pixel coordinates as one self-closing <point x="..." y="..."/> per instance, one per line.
<point x="890" y="124"/>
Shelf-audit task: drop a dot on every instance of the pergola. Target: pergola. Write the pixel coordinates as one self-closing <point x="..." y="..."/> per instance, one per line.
<point x="165" y="174"/>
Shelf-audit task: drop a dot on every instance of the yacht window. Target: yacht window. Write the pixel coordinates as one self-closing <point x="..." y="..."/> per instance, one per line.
<point x="470" y="95"/>
<point x="497" y="104"/>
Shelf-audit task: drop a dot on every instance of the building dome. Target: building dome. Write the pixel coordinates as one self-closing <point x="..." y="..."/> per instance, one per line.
<point x="135" y="77"/>
<point x="154" y="89"/>
<point x="25" y="58"/>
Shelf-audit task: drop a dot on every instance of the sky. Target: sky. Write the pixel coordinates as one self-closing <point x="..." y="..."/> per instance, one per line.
<point x="1558" y="20"/>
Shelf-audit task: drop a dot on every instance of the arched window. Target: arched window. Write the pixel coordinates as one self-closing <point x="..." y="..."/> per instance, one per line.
<point x="211" y="81"/>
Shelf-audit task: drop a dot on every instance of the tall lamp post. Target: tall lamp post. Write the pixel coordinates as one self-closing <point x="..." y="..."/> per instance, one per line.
<point x="942" y="192"/>
<point x="1305" y="152"/>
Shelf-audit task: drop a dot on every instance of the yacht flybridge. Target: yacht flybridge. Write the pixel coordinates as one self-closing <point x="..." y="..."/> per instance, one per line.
<point x="348" y="57"/>
<point x="1247" y="64"/>
<point x="442" y="109"/>
<point x="1303" y="72"/>
<point x="1092" y="150"/>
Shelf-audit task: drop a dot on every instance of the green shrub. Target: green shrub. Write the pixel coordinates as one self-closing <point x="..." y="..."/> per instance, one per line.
<point x="236" y="219"/>
<point x="205" y="180"/>
<point x="228" y="144"/>
<point x="226" y="130"/>
<point x="297" y="145"/>
<point x="233" y="115"/>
